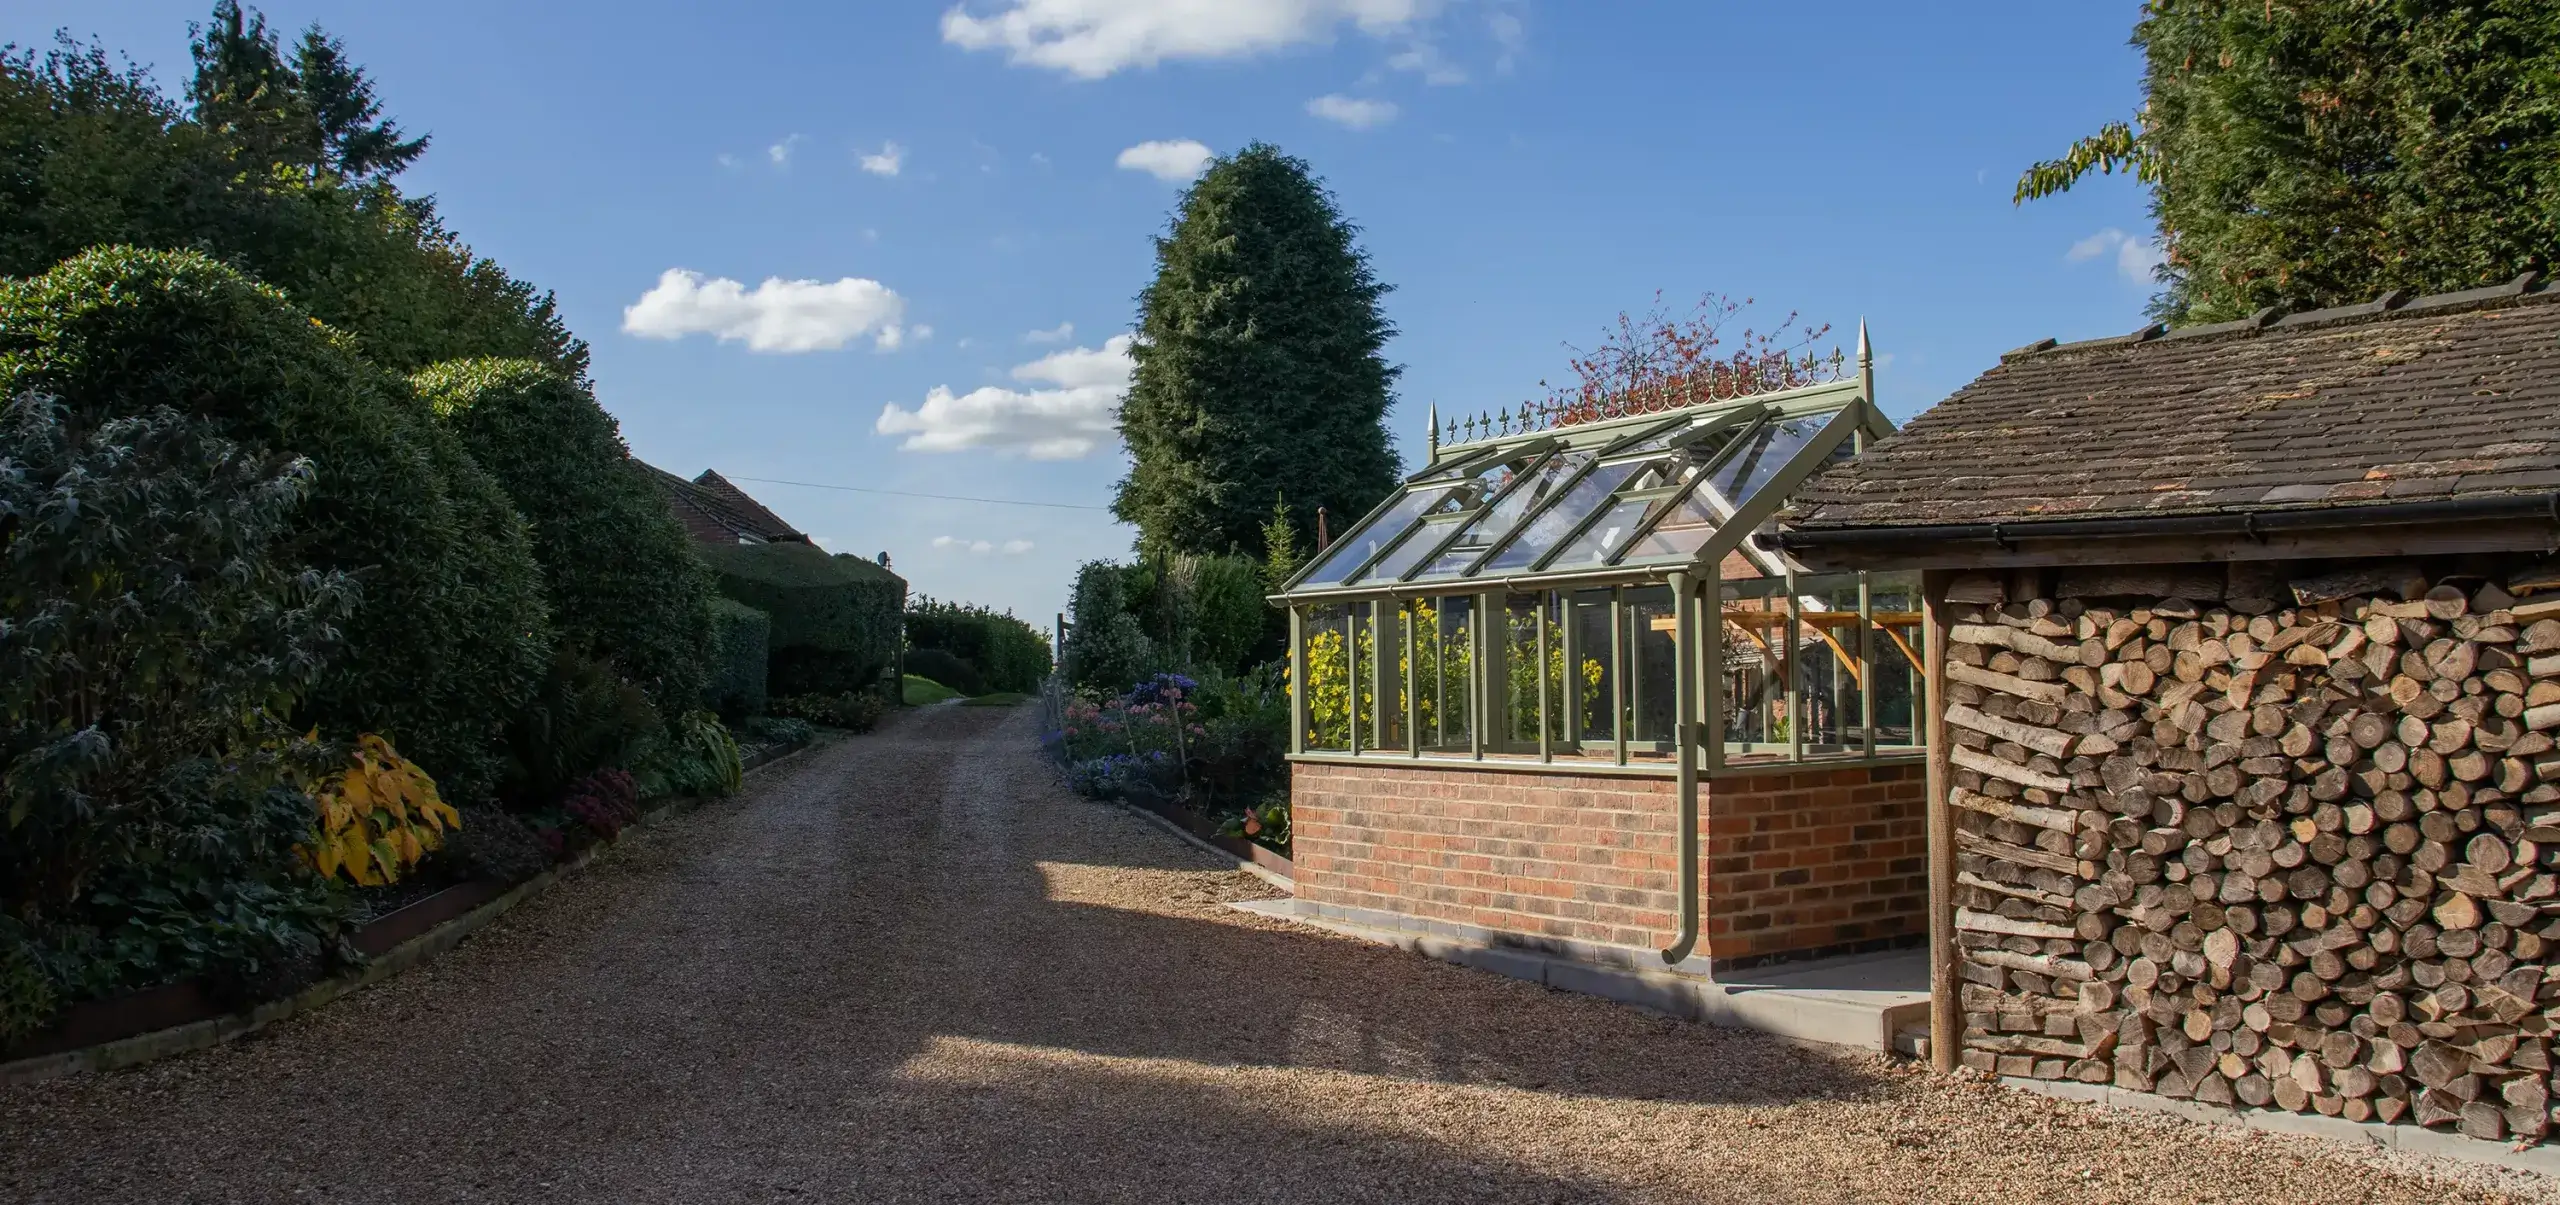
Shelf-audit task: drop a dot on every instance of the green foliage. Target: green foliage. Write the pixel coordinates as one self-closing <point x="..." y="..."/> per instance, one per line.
<point x="944" y="669"/>
<point x="851" y="711"/>
<point x="624" y="585"/>
<point x="451" y="635"/>
<point x="2321" y="152"/>
<point x="1259" y="364"/>
<point x="1003" y="652"/>
<point x="158" y="630"/>
<point x="740" y="639"/>
<point x="1281" y="557"/>
<point x="1106" y="648"/>
<point x="836" y="619"/>
<point x="583" y="718"/>
<point x="778" y="730"/>
<point x="924" y="692"/>
<point x="93" y="155"/>
<point x="494" y="844"/>
<point x="699" y="757"/>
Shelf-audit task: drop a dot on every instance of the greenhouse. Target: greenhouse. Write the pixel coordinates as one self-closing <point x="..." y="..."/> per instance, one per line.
<point x="1502" y="659"/>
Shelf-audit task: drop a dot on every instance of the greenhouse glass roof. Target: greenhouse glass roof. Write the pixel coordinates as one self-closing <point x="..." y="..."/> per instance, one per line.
<point x="1635" y="493"/>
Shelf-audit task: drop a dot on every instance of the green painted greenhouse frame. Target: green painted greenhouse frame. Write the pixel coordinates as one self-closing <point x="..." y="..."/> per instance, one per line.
<point x="1599" y="534"/>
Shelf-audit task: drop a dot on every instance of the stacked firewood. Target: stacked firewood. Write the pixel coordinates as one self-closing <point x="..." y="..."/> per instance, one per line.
<point x="2262" y="844"/>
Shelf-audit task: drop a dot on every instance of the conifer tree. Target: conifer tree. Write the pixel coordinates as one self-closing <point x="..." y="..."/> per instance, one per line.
<point x="2321" y="152"/>
<point x="1258" y="365"/>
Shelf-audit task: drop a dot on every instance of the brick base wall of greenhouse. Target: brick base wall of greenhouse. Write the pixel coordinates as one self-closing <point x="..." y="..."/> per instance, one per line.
<point x="1798" y="862"/>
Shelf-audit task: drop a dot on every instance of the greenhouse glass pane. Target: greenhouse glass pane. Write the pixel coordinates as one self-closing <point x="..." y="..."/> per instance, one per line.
<point x="1354" y="549"/>
<point x="1394" y="564"/>
<point x="1752" y="465"/>
<point x="1594" y="545"/>
<point x="1559" y="520"/>
<point x="1498" y="520"/>
<point x="1680" y="534"/>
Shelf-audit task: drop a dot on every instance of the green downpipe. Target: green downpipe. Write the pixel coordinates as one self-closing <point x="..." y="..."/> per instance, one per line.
<point x="1684" y="690"/>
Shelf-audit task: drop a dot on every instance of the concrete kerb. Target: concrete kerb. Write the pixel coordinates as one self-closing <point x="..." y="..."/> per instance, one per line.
<point x="206" y="1034"/>
<point x="2410" y="1139"/>
<point x="1248" y="865"/>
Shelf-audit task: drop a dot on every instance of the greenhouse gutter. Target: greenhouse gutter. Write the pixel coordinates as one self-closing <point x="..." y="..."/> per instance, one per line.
<point x="2251" y="524"/>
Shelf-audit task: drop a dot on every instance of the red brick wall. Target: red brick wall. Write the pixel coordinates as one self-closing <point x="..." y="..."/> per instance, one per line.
<point x="1800" y="861"/>
<point x="1815" y="859"/>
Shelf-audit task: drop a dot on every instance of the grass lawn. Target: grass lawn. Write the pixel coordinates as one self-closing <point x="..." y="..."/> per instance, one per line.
<point x="921" y="691"/>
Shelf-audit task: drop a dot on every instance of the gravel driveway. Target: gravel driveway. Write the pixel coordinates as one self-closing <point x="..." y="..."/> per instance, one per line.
<point x="909" y="967"/>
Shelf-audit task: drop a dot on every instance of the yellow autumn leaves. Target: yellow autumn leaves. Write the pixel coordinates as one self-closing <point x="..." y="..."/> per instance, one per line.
<point x="377" y="817"/>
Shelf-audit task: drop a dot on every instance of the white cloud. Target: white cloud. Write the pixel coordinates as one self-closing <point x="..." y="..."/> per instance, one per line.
<point x="1065" y="420"/>
<point x="1056" y="334"/>
<point x="2135" y="257"/>
<point x="778" y="315"/>
<point x="1510" y="36"/>
<point x="1424" y="59"/>
<point x="1089" y="39"/>
<point x="1175" y="161"/>
<point x="1352" y="111"/>
<point x="983" y="547"/>
<point x="887" y="162"/>
<point x="1017" y="547"/>
<point x="780" y="152"/>
<point x="726" y="160"/>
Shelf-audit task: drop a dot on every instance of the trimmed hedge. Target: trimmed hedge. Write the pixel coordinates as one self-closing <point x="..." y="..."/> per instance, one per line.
<point x="835" y="618"/>
<point x="624" y="585"/>
<point x="1000" y="650"/>
<point x="451" y="635"/>
<point x="946" y="669"/>
<point x="741" y="639"/>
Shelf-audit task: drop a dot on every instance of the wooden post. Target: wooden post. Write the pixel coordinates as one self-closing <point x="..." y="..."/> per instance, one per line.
<point x="1351" y="676"/>
<point x="1297" y="680"/>
<point x="1794" y="693"/>
<point x="1866" y="667"/>
<point x="1413" y="675"/>
<point x="1710" y="637"/>
<point x="1546" y="741"/>
<point x="1477" y="686"/>
<point x="1946" y="1005"/>
<point x="1382" y="691"/>
<point x="1618" y="669"/>
<point x="1572" y="672"/>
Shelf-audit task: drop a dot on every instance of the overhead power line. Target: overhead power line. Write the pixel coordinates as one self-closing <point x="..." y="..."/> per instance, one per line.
<point x="864" y="489"/>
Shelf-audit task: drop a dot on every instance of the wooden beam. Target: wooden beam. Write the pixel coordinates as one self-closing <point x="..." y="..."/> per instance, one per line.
<point x="1946" y="993"/>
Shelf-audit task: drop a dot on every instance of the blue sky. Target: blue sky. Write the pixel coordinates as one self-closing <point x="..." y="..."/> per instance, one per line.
<point x="931" y="185"/>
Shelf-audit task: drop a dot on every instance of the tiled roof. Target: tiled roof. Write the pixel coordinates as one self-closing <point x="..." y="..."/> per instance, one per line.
<point x="2455" y="396"/>
<point x="714" y="511"/>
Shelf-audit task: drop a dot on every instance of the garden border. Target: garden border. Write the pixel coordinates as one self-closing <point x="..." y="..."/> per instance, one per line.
<point x="213" y="1031"/>
<point x="1261" y="861"/>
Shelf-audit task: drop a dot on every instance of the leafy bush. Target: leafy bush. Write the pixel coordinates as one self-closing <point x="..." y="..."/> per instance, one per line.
<point x="603" y="803"/>
<point x="778" y="730"/>
<point x="1106" y="648"/>
<point x="946" y="669"/>
<point x="835" y="618"/>
<point x="702" y="759"/>
<point x="740" y="638"/>
<point x="1006" y="653"/>
<point x="1216" y="745"/>
<point x="154" y="627"/>
<point x="624" y="585"/>
<point x="494" y="844"/>
<point x="378" y="817"/>
<point x="26" y="992"/>
<point x="451" y="636"/>
<point x="584" y="718"/>
<point x="853" y="711"/>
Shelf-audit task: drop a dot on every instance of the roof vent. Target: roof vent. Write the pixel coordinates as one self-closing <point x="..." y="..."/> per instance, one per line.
<point x="2391" y="300"/>
<point x="2148" y="333"/>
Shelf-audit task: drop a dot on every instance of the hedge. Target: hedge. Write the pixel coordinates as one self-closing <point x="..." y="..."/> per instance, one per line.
<point x="1000" y="650"/>
<point x="451" y="635"/>
<point x="835" y="618"/>
<point x="949" y="670"/>
<point x="741" y="638"/>
<point x="624" y="584"/>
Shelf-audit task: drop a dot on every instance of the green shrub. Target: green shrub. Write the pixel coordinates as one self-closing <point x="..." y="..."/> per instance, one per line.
<point x="778" y="730"/>
<point x="494" y="844"/>
<point x="1004" y="652"/>
<point x="946" y="669"/>
<point x="450" y="637"/>
<point x="584" y="718"/>
<point x="1106" y="648"/>
<point x="624" y="585"/>
<point x="835" y="618"/>
<point x="851" y="711"/>
<point x="740" y="639"/>
<point x="27" y="999"/>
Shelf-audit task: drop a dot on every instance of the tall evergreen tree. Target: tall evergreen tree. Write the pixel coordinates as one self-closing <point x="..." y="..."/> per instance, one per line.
<point x="1258" y="365"/>
<point x="316" y="114"/>
<point x="2320" y="152"/>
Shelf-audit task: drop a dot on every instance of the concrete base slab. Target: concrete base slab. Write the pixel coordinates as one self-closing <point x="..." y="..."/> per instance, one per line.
<point x="1857" y="1001"/>
<point x="2540" y="1159"/>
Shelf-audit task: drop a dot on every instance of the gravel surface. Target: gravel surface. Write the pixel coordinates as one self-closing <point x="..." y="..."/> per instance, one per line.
<point x="907" y="966"/>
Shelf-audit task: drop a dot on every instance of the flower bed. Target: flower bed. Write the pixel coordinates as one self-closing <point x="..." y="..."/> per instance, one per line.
<point x="1206" y="755"/>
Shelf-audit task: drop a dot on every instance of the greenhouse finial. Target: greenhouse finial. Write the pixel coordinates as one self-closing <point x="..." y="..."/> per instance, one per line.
<point x="1431" y="428"/>
<point x="1866" y="355"/>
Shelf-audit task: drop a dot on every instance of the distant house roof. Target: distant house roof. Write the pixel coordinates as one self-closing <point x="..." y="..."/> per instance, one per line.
<point x="714" y="511"/>
<point x="2396" y="403"/>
